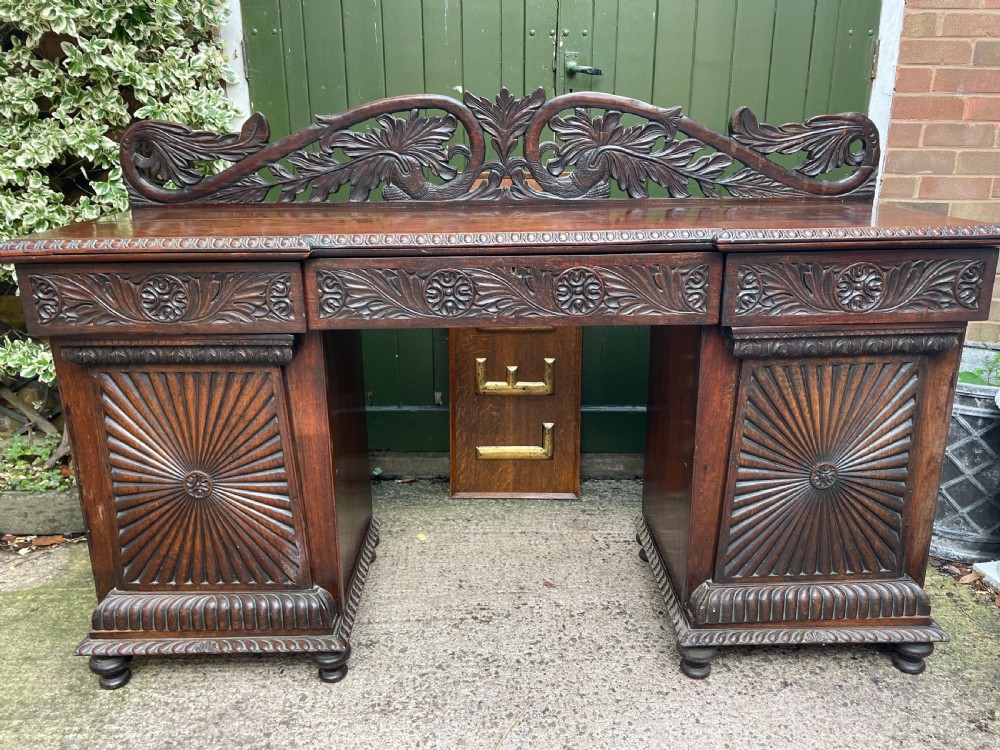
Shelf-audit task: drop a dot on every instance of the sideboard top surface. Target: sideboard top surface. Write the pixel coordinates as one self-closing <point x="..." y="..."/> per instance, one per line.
<point x="374" y="229"/>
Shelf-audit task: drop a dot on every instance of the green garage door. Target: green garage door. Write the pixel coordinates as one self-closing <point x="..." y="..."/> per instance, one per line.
<point x="785" y="59"/>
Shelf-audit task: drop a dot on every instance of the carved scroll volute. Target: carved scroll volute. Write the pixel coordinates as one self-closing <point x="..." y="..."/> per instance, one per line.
<point x="600" y="149"/>
<point x="419" y="157"/>
<point x="155" y="152"/>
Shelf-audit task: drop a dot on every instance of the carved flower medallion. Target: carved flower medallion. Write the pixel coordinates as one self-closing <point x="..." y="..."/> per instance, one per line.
<point x="198" y="484"/>
<point x="860" y="287"/>
<point x="578" y="291"/>
<point x="823" y="475"/>
<point x="163" y="298"/>
<point x="449" y="293"/>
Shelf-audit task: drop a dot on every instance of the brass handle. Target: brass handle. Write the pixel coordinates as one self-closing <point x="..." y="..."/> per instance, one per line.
<point x="512" y="386"/>
<point x="544" y="452"/>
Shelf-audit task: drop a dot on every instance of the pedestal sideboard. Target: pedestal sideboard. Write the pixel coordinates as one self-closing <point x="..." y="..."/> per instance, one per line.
<point x="804" y="349"/>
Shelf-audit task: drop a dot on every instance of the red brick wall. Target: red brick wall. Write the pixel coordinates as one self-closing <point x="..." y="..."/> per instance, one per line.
<point x="944" y="138"/>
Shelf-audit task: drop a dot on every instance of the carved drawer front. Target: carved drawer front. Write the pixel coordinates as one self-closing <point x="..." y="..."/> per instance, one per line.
<point x="582" y="290"/>
<point x="850" y="287"/>
<point x="818" y="484"/>
<point x="202" y="489"/>
<point x="163" y="299"/>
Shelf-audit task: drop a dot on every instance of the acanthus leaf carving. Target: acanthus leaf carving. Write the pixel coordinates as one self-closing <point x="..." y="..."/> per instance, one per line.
<point x="190" y="297"/>
<point x="825" y="139"/>
<point x="816" y="287"/>
<point x="638" y="290"/>
<point x="423" y="155"/>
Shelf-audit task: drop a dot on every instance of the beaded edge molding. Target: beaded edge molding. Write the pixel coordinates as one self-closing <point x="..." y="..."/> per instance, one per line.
<point x="688" y="637"/>
<point x="338" y="641"/>
<point x="307" y="243"/>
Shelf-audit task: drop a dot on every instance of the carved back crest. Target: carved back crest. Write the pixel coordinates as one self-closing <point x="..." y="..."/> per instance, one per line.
<point x="427" y="147"/>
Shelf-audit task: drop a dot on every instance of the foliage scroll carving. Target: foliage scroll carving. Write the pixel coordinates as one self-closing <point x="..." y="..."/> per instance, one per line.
<point x="427" y="147"/>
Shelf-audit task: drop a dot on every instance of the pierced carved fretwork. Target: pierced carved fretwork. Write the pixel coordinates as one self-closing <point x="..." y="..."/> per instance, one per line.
<point x="200" y="486"/>
<point x="421" y="156"/>
<point x="821" y="473"/>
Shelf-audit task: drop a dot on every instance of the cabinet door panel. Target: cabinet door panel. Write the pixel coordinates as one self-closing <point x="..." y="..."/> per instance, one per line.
<point x="202" y="491"/>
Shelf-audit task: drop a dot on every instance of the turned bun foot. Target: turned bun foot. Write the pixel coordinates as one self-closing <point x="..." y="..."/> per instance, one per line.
<point x="696" y="663"/>
<point x="909" y="657"/>
<point x="332" y="665"/>
<point x="112" y="672"/>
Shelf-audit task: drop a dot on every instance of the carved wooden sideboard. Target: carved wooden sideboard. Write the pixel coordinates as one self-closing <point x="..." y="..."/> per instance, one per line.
<point x="803" y="355"/>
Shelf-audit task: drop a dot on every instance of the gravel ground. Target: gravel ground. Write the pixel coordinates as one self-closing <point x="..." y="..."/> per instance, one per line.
<point x="494" y="624"/>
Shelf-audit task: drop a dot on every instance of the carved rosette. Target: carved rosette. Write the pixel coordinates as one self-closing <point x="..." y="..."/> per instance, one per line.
<point x="642" y="291"/>
<point x="860" y="287"/>
<point x="792" y="288"/>
<point x="67" y="299"/>
<point x="820" y="481"/>
<point x="448" y="293"/>
<point x="578" y="291"/>
<point x="199" y="481"/>
<point x="163" y="298"/>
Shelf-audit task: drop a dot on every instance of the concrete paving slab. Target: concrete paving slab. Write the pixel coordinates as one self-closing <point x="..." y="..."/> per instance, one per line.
<point x="460" y="643"/>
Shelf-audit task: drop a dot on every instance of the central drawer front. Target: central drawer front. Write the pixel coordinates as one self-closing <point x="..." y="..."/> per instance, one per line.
<point x="638" y="289"/>
<point x="163" y="299"/>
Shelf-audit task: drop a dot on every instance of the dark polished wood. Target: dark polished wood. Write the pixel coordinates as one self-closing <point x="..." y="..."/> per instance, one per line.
<point x="587" y="152"/>
<point x="804" y="350"/>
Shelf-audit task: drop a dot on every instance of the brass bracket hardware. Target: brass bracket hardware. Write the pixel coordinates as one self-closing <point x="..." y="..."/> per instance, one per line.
<point x="513" y="386"/>
<point x="544" y="452"/>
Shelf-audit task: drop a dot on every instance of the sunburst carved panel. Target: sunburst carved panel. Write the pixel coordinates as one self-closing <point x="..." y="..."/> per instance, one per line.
<point x="199" y="479"/>
<point x="821" y="471"/>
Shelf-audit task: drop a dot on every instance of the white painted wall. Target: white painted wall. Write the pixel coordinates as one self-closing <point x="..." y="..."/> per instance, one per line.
<point x="880" y="103"/>
<point x="232" y="38"/>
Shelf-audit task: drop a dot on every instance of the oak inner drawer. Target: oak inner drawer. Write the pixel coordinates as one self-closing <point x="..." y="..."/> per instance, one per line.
<point x="158" y="298"/>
